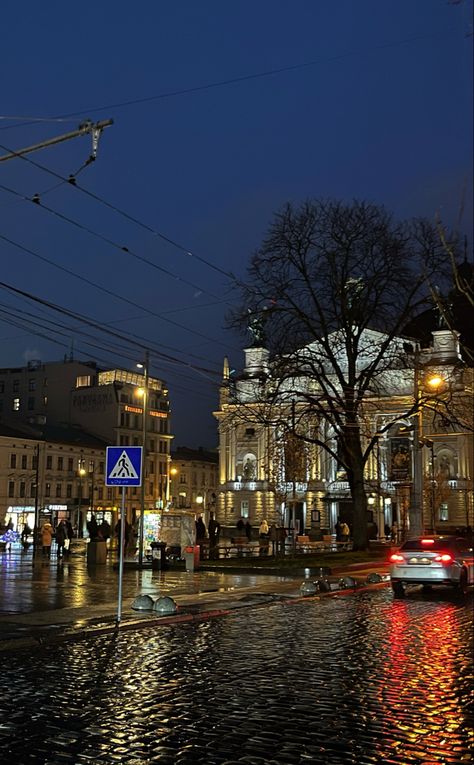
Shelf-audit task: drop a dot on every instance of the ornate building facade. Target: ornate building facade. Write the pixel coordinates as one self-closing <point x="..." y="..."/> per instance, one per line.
<point x="423" y="453"/>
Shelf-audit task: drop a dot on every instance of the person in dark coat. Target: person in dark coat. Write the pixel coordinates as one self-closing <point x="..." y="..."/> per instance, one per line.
<point x="61" y="536"/>
<point x="214" y="530"/>
<point x="248" y="531"/>
<point x="92" y="527"/>
<point x="240" y="527"/>
<point x="104" y="530"/>
<point x="200" y="530"/>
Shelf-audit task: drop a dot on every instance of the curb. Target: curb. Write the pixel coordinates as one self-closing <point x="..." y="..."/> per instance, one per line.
<point x="24" y="643"/>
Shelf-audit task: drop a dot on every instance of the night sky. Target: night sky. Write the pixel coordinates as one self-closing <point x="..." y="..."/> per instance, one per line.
<point x="223" y="111"/>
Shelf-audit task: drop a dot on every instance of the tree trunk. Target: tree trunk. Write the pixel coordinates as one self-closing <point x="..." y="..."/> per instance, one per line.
<point x="360" y="531"/>
<point x="355" y="463"/>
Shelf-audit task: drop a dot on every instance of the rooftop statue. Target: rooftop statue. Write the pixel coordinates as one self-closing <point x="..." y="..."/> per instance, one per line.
<point x="256" y="327"/>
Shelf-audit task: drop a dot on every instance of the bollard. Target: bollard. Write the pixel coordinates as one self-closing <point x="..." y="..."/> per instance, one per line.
<point x="165" y="605"/>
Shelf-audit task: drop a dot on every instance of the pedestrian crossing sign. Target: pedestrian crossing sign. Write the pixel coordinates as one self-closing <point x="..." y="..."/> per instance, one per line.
<point x="123" y="466"/>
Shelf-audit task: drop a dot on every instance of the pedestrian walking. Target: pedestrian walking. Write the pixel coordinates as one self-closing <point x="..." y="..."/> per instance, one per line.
<point x="240" y="527"/>
<point x="263" y="532"/>
<point x="200" y="530"/>
<point x="93" y="527"/>
<point x="338" y="530"/>
<point x="46" y="539"/>
<point x="272" y="535"/>
<point x="70" y="537"/>
<point x="214" y="530"/>
<point x="104" y="530"/>
<point x="248" y="531"/>
<point x="395" y="532"/>
<point x="61" y="536"/>
<point x="345" y="532"/>
<point x="25" y="534"/>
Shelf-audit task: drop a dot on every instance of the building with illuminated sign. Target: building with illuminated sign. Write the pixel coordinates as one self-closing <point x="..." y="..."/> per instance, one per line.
<point x="51" y="473"/>
<point x="106" y="404"/>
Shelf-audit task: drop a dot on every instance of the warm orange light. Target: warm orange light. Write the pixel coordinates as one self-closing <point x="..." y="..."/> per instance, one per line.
<point x="173" y="471"/>
<point x="140" y="392"/>
<point x="435" y="381"/>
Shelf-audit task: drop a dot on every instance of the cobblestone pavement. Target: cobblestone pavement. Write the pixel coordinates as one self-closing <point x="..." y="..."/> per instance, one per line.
<point x="46" y="585"/>
<point x="363" y="680"/>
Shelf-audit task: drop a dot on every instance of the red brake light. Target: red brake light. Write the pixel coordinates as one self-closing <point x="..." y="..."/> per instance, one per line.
<point x="396" y="558"/>
<point x="427" y="541"/>
<point x="444" y="558"/>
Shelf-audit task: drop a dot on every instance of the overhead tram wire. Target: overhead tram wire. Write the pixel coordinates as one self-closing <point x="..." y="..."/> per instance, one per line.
<point x="72" y="182"/>
<point x="105" y="239"/>
<point x="109" y="292"/>
<point x="131" y="356"/>
<point x="11" y="317"/>
<point x="210" y="375"/>
<point x="90" y="322"/>
<point x="243" y="78"/>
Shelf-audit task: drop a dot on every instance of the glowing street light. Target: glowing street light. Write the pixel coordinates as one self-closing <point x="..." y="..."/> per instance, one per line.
<point x="81" y="473"/>
<point x="143" y="392"/>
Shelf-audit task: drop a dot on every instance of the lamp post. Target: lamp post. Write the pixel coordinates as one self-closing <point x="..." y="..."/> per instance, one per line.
<point x="36" y="526"/>
<point x="424" y="441"/>
<point x="81" y="473"/>
<point x="141" y="535"/>
<point x="433" y="382"/>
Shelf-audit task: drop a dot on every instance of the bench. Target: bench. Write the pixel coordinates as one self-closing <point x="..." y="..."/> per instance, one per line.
<point x="328" y="544"/>
<point x="305" y="544"/>
<point x="237" y="550"/>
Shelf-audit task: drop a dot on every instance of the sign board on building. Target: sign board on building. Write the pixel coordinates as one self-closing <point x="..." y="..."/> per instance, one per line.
<point x="123" y="466"/>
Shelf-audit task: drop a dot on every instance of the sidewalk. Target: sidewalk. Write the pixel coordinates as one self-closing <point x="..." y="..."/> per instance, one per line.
<point x="46" y="602"/>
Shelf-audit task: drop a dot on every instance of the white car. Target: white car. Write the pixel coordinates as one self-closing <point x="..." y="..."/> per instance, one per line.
<point x="433" y="560"/>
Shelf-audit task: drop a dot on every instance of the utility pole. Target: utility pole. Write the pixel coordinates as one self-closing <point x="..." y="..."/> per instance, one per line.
<point x="141" y="539"/>
<point x="85" y="128"/>
<point x="36" y="528"/>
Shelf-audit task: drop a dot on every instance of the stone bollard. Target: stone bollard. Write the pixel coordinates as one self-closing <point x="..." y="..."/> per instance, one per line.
<point x="165" y="605"/>
<point x="143" y="603"/>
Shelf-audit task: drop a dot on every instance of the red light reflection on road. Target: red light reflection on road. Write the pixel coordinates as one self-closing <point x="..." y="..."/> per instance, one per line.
<point x="422" y="709"/>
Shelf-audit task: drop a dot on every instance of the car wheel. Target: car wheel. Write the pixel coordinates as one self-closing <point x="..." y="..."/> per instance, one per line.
<point x="398" y="589"/>
<point x="462" y="584"/>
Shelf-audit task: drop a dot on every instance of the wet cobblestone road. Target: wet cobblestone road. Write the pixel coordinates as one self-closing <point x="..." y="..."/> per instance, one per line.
<point x="361" y="679"/>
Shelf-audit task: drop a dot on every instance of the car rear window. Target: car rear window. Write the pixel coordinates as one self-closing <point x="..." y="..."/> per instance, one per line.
<point x="438" y="545"/>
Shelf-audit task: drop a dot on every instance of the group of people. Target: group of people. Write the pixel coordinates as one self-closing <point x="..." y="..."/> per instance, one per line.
<point x="62" y="534"/>
<point x="211" y="534"/>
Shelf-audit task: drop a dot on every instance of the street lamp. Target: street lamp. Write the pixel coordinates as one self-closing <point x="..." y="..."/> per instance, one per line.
<point x="81" y="473"/>
<point x="434" y="382"/>
<point x="144" y="393"/>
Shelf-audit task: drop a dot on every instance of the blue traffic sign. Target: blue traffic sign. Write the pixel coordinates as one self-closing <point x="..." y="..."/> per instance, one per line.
<point x="123" y="466"/>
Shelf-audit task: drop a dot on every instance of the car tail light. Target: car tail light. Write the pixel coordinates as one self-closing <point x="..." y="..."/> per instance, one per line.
<point x="444" y="558"/>
<point x="396" y="558"/>
<point x="427" y="541"/>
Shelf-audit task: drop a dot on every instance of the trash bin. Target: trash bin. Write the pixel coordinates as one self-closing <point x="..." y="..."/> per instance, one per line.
<point x="97" y="551"/>
<point x="191" y="557"/>
<point x="158" y="556"/>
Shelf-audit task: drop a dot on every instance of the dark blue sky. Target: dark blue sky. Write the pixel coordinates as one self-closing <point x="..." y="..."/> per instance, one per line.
<point x="382" y="111"/>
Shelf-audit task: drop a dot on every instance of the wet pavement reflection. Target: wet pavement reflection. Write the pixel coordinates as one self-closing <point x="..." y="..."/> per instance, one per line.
<point x="363" y="679"/>
<point x="42" y="585"/>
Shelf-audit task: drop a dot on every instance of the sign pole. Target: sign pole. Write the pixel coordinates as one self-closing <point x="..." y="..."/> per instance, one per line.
<point x="123" y="468"/>
<point x="121" y="552"/>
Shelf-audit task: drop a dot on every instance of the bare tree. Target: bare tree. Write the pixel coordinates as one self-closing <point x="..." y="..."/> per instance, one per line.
<point x="336" y="284"/>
